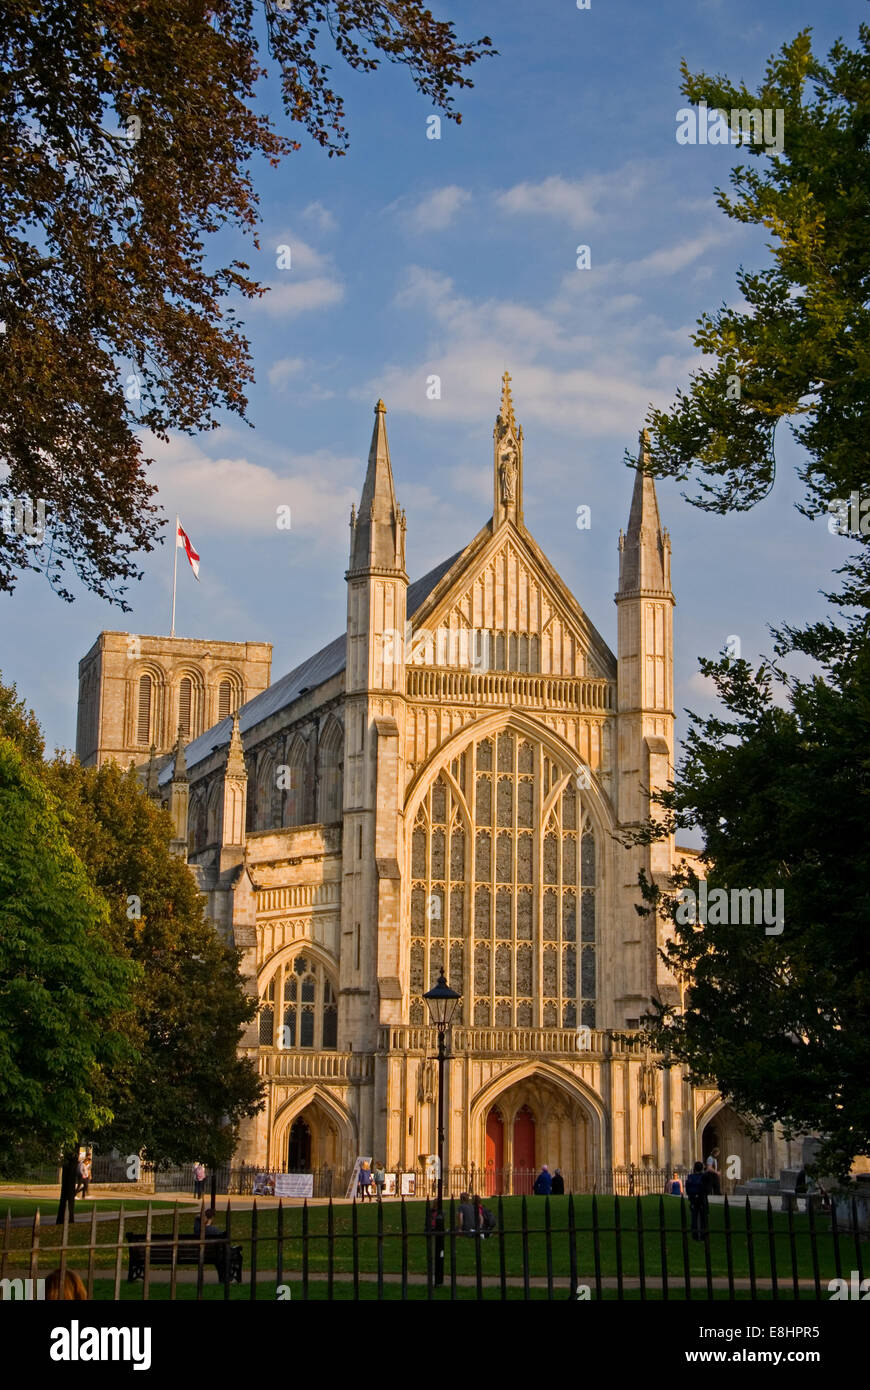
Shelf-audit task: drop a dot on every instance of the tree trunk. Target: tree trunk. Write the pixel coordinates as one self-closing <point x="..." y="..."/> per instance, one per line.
<point x="69" y="1176"/>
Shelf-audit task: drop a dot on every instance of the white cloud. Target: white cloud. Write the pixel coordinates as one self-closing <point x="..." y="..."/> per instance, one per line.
<point x="285" y="367"/>
<point x="309" y="282"/>
<point x="699" y="684"/>
<point x="238" y="496"/>
<point x="437" y="210"/>
<point x="291" y="297"/>
<point x="304" y="258"/>
<point x="579" y="201"/>
<point x="669" y="259"/>
<point x="596" y="388"/>
<point x="320" y="216"/>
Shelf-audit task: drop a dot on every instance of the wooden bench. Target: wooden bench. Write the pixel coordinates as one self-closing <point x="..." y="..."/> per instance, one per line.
<point x="212" y="1250"/>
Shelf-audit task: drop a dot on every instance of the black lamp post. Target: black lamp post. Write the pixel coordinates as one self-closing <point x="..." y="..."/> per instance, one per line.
<point x="441" y="1002"/>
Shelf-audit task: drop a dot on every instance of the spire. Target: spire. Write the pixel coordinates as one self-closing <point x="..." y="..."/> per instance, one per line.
<point x="179" y="798"/>
<point x="152" y="788"/>
<point x="507" y="502"/>
<point x="377" y="529"/>
<point x="235" y="752"/>
<point x="645" y="549"/>
<point x="507" y="406"/>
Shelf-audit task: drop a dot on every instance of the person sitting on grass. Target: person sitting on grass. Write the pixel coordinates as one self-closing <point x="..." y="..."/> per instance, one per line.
<point x="485" y="1218"/>
<point x="467" y="1215"/>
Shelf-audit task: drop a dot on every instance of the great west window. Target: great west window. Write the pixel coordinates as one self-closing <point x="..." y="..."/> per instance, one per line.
<point x="502" y="894"/>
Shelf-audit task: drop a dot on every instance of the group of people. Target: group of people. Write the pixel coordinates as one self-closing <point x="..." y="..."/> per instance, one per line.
<point x="549" y="1184"/>
<point x="474" y="1218"/>
<point x="370" y="1182"/>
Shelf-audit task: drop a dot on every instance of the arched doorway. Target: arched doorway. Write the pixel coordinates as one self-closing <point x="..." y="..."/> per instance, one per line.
<point x="494" y="1153"/>
<point x="536" y="1119"/>
<point x="299" y="1148"/>
<point x="739" y="1158"/>
<point x="524" y="1151"/>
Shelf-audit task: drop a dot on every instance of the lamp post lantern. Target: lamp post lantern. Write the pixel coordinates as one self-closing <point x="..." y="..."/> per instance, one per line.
<point x="441" y="1002"/>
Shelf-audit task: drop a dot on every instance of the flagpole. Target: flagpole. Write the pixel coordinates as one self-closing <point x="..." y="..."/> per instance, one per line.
<point x="174" y="575"/>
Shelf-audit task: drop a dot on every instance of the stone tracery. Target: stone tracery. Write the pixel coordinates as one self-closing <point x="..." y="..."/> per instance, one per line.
<point x="510" y="937"/>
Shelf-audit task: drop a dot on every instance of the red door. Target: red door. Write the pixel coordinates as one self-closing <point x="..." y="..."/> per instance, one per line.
<point x="524" y="1151"/>
<point x="494" y="1153"/>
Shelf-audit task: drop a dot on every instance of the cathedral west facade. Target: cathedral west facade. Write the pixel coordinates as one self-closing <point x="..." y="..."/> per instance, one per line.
<point x="446" y="784"/>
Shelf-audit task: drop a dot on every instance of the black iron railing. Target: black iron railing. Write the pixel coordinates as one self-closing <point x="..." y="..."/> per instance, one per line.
<point x="571" y="1247"/>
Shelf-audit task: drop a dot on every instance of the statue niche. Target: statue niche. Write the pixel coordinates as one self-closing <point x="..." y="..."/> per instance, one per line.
<point x="508" y="474"/>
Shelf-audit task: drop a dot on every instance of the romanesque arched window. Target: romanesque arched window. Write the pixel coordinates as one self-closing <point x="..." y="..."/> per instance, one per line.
<point x="503" y="895"/>
<point x="226" y="695"/>
<point x="184" y="702"/>
<point x="298" y="1007"/>
<point x="143" y="712"/>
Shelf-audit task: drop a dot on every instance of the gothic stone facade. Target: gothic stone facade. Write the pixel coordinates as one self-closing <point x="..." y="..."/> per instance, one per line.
<point x="446" y="784"/>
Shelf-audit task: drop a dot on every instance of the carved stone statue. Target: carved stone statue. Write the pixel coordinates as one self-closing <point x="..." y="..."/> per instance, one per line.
<point x="508" y="475"/>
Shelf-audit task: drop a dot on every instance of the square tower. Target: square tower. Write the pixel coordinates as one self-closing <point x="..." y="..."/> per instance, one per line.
<point x="135" y="691"/>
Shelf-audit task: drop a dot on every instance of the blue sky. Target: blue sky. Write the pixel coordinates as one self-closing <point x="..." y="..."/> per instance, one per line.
<point x="456" y="257"/>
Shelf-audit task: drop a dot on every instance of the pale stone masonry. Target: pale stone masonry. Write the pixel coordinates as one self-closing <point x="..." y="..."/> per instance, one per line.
<point x="446" y="783"/>
<point x="134" y="691"/>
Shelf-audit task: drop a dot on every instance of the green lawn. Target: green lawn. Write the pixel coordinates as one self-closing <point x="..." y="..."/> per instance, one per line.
<point x="47" y="1207"/>
<point x="343" y="1292"/>
<point x="613" y="1256"/>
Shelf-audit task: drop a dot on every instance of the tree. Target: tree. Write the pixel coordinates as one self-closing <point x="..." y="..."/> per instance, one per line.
<point x="21" y="725"/>
<point x="776" y="1012"/>
<point x="185" y="1089"/>
<point x="63" y="993"/>
<point x="801" y="348"/>
<point x="127" y="134"/>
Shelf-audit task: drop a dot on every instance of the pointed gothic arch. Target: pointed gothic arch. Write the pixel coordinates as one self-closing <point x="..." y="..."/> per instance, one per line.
<point x="267" y="793"/>
<point x="570" y="1120"/>
<point x="295" y="808"/>
<point x="321" y="1108"/>
<point x="506" y="880"/>
<point x="330" y="756"/>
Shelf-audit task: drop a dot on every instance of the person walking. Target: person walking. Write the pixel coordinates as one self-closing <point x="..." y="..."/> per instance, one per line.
<point x="696" y="1191"/>
<point x="713" y="1172"/>
<point x="84" y="1176"/>
<point x="198" y="1179"/>
<point x="674" y="1188"/>
<point x="558" y="1183"/>
<point x="544" y="1182"/>
<point x="379" y="1177"/>
<point x="363" y="1187"/>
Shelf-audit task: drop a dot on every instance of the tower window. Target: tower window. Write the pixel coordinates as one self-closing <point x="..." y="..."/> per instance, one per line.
<point x="143" y="728"/>
<point x="225" y="700"/>
<point x="184" y="691"/>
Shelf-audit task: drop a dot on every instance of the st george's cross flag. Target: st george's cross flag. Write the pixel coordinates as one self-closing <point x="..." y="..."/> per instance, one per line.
<point x="183" y="542"/>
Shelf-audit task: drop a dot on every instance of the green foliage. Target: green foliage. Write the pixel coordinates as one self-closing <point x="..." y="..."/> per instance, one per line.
<point x="63" y="996"/>
<point x="190" y="1004"/>
<point x="801" y="347"/>
<point x="127" y="134"/>
<point x="20" y="724"/>
<point x="781" y="1022"/>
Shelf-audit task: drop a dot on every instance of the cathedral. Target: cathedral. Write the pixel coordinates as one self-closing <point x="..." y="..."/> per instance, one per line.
<point x="444" y="785"/>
